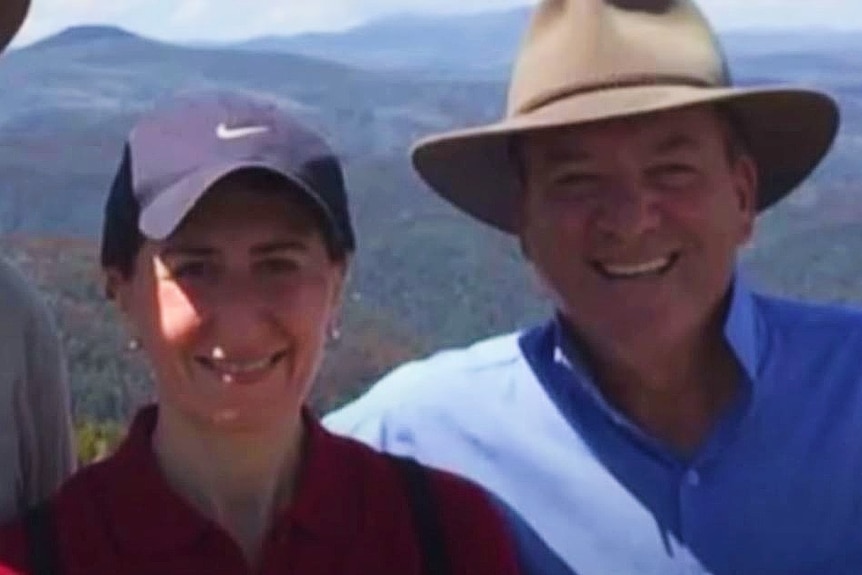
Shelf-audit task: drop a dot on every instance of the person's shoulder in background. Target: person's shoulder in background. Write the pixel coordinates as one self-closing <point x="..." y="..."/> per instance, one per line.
<point x="20" y="298"/>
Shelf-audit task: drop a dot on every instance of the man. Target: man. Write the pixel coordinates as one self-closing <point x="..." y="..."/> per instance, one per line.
<point x="35" y="426"/>
<point x="667" y="419"/>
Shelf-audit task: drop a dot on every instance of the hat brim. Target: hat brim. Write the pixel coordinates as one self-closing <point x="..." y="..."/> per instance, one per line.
<point x="12" y="15"/>
<point x="164" y="215"/>
<point x="787" y="131"/>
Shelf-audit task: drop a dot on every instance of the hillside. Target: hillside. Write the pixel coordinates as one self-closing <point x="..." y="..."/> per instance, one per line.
<point x="109" y="381"/>
<point x="425" y="275"/>
<point x="67" y="103"/>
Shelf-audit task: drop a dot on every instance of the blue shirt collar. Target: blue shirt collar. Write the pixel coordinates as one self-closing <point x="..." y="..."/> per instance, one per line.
<point x="741" y="329"/>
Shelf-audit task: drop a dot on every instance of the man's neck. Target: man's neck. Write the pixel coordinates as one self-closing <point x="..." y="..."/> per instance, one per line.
<point x="674" y="389"/>
<point x="238" y="480"/>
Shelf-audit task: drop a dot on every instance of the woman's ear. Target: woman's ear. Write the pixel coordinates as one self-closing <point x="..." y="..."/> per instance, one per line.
<point x="342" y="278"/>
<point x="117" y="288"/>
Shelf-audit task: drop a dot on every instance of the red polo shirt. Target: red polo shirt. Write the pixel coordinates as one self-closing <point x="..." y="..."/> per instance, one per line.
<point x="350" y="516"/>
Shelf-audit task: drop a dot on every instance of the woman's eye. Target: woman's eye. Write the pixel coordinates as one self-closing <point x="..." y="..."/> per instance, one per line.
<point x="278" y="265"/>
<point x="191" y="270"/>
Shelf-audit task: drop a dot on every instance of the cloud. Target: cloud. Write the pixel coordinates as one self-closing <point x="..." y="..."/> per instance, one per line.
<point x="292" y="17"/>
<point x="236" y="19"/>
<point x="839" y="14"/>
<point x="187" y="12"/>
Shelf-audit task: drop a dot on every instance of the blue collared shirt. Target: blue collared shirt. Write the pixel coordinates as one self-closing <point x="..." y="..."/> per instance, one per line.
<point x="775" y="489"/>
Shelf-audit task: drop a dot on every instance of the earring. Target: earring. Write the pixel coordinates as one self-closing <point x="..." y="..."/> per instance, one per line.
<point x="134" y="344"/>
<point x="334" y="332"/>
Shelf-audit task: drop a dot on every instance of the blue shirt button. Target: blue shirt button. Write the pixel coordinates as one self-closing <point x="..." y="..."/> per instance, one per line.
<point x="692" y="477"/>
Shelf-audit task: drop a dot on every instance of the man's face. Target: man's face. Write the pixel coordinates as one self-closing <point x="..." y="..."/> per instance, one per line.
<point x="633" y="225"/>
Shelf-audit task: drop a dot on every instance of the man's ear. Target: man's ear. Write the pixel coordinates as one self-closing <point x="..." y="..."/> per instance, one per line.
<point x="746" y="183"/>
<point x="520" y="217"/>
<point x="522" y="220"/>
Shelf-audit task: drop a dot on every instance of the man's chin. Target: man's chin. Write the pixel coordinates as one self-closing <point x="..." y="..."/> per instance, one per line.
<point x="630" y="325"/>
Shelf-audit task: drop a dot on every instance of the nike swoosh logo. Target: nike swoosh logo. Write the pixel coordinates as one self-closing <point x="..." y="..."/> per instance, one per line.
<point x="225" y="133"/>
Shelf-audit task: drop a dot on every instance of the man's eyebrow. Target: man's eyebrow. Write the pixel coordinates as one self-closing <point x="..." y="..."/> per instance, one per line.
<point x="675" y="143"/>
<point x="562" y="156"/>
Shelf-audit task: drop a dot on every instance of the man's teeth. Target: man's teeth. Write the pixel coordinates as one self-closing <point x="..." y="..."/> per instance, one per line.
<point x="637" y="269"/>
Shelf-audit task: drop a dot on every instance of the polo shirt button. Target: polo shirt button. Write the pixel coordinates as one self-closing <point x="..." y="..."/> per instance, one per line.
<point x="692" y="477"/>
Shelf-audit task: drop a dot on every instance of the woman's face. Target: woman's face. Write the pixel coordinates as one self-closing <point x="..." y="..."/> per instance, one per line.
<point x="233" y="309"/>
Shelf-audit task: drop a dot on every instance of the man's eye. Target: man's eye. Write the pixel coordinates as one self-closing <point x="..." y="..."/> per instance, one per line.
<point x="575" y="187"/>
<point x="673" y="174"/>
<point x="674" y="168"/>
<point x="574" y="179"/>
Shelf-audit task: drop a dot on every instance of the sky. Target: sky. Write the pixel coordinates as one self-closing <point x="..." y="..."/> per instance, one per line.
<point x="224" y="20"/>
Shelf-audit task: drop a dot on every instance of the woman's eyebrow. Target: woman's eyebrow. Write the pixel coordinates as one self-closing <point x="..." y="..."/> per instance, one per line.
<point x="187" y="251"/>
<point x="279" y="246"/>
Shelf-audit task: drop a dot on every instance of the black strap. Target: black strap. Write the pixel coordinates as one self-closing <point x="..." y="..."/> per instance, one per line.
<point x="41" y="541"/>
<point x="429" y="533"/>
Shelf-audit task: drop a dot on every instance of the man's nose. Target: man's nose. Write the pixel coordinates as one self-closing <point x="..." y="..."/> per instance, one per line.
<point x="627" y="211"/>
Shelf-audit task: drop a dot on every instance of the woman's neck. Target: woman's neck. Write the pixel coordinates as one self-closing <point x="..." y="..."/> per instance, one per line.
<point x="239" y="479"/>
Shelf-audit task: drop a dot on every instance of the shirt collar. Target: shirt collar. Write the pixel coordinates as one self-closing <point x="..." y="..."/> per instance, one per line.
<point x="148" y="518"/>
<point x="741" y="330"/>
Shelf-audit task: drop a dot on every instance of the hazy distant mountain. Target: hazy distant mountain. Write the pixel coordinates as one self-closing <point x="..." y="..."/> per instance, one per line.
<point x="485" y="43"/>
<point x="88" y="34"/>
<point x="479" y="43"/>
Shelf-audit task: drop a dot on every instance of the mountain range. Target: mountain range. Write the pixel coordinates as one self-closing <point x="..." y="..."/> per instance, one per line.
<point x="485" y="43"/>
<point x="424" y="273"/>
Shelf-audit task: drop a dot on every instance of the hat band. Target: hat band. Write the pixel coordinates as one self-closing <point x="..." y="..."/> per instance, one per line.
<point x="622" y="82"/>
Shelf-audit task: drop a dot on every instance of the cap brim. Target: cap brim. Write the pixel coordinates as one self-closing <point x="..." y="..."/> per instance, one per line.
<point x="165" y="214"/>
<point x="788" y="131"/>
<point x="12" y="15"/>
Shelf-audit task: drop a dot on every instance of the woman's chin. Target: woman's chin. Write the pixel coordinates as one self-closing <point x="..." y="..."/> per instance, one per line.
<point x="249" y="418"/>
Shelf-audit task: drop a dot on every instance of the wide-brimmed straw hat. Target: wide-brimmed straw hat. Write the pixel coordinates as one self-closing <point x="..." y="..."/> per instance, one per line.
<point x="12" y="14"/>
<point x="589" y="60"/>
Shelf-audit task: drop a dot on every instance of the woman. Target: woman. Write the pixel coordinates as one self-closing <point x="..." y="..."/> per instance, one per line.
<point x="226" y="245"/>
